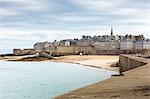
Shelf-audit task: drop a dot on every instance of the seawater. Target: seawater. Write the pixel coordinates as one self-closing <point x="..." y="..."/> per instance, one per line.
<point x="45" y="80"/>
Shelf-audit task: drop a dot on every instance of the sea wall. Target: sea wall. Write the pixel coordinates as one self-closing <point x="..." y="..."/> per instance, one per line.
<point x="89" y="50"/>
<point x="147" y="52"/>
<point x="129" y="62"/>
<point x="76" y="50"/>
<point x="24" y="51"/>
<point x="73" y="50"/>
<point x="118" y="51"/>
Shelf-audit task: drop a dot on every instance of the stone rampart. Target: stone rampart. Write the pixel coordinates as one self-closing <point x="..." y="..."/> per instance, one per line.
<point x="73" y="50"/>
<point x="129" y="62"/>
<point x="24" y="51"/>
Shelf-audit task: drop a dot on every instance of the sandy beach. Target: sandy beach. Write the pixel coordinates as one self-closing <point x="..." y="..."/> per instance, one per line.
<point x="98" y="61"/>
<point x="10" y="57"/>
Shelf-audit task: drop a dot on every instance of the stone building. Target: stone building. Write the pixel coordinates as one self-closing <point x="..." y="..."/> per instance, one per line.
<point x="67" y="42"/>
<point x="127" y="42"/>
<point x="127" y="45"/>
<point x="52" y="47"/>
<point x="85" y="41"/>
<point x="16" y="51"/>
<point x="40" y="46"/>
<point x="142" y="44"/>
<point x="107" y="45"/>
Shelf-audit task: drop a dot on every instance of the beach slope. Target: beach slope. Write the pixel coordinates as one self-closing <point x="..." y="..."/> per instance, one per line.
<point x="98" y="61"/>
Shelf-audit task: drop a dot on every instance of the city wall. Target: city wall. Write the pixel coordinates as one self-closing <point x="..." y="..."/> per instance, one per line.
<point x="89" y="50"/>
<point x="147" y="52"/>
<point x="129" y="62"/>
<point x="74" y="50"/>
<point x="24" y="51"/>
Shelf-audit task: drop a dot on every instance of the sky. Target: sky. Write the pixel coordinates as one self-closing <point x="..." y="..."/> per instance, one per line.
<point x="24" y="22"/>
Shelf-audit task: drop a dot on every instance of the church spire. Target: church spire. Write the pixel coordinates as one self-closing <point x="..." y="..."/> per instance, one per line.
<point x="111" y="31"/>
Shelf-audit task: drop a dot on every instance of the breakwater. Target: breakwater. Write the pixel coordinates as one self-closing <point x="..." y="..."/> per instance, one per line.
<point x="129" y="62"/>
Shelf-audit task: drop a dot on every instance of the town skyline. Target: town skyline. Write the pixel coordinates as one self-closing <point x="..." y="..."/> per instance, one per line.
<point x="30" y="45"/>
<point x="88" y="45"/>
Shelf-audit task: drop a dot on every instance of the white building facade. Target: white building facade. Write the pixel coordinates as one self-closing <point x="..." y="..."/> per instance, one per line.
<point x="126" y="45"/>
<point x="142" y="45"/>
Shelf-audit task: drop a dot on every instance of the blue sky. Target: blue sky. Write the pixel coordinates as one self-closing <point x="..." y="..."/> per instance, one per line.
<point x="24" y="22"/>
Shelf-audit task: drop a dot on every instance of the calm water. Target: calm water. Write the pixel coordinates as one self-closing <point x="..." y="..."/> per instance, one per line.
<point x="44" y="80"/>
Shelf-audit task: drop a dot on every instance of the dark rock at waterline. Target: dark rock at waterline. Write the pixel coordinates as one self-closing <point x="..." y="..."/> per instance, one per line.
<point x="33" y="59"/>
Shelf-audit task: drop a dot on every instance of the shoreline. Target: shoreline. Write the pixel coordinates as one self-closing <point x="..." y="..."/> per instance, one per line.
<point x="116" y="69"/>
<point x="135" y="84"/>
<point x="95" y="61"/>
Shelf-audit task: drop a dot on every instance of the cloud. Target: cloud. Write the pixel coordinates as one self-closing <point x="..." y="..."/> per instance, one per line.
<point x="98" y="5"/>
<point x="7" y="12"/>
<point x="39" y="20"/>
